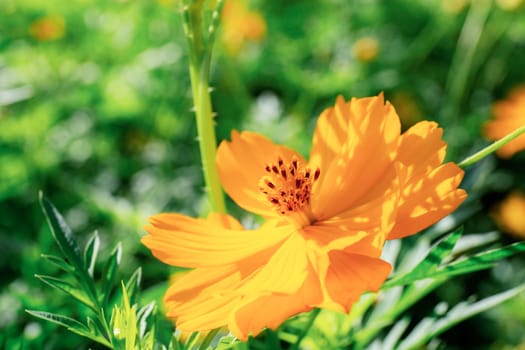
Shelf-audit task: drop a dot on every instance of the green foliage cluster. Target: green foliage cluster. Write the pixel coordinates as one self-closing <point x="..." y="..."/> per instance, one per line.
<point x="99" y="118"/>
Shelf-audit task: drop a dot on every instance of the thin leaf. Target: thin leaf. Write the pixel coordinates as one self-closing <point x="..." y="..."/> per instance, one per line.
<point x="58" y="262"/>
<point x="142" y="317"/>
<point x="434" y="326"/>
<point x="479" y="261"/>
<point x="395" y="333"/>
<point x="192" y="340"/>
<point x="430" y="263"/>
<point x="226" y="342"/>
<point x="68" y="245"/>
<point x="62" y="233"/>
<point x="64" y="321"/>
<point x="174" y="344"/>
<point x="110" y="272"/>
<point x="67" y="288"/>
<point x="133" y="284"/>
<point x="71" y="324"/>
<point x="91" y="252"/>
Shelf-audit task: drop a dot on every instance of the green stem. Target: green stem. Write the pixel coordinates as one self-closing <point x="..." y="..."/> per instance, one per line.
<point x="200" y="57"/>
<point x="476" y="157"/>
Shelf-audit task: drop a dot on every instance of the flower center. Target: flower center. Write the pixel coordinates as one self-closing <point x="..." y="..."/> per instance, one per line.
<point x="288" y="185"/>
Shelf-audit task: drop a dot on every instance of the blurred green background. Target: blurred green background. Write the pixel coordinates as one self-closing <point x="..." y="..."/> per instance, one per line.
<point x="95" y="111"/>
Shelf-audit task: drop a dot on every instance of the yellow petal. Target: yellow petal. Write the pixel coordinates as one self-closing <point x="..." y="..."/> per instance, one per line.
<point x="352" y="163"/>
<point x="373" y="217"/>
<point x="257" y="312"/>
<point x="427" y="199"/>
<point x="197" y="300"/>
<point x="350" y="275"/>
<point x="509" y="115"/>
<point x="241" y="164"/>
<point x="184" y="241"/>
<point x="285" y="271"/>
<point x="421" y="148"/>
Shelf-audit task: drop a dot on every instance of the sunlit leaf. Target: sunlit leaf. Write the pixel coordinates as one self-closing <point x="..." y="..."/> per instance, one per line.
<point x="142" y="316"/>
<point x="91" y="252"/>
<point x="109" y="273"/>
<point x="133" y="284"/>
<point x="226" y="342"/>
<point x="62" y="233"/>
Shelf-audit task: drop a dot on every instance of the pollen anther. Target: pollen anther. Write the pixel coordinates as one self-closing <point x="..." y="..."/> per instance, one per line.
<point x="288" y="186"/>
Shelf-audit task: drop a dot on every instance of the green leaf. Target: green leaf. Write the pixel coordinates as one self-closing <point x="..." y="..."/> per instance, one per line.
<point x="430" y="263"/>
<point x="133" y="284"/>
<point x="226" y="342"/>
<point x="71" y="324"/>
<point x="110" y="272"/>
<point x="68" y="245"/>
<point x="62" y="233"/>
<point x="91" y="252"/>
<point x="58" y="262"/>
<point x="479" y="261"/>
<point x="395" y="333"/>
<point x="192" y="340"/>
<point x="174" y="344"/>
<point x="64" y="321"/>
<point x="433" y="326"/>
<point x="68" y="288"/>
<point x="142" y="316"/>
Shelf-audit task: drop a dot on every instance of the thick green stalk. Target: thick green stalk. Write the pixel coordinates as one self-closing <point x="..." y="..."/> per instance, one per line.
<point x="200" y="57"/>
<point x="476" y="157"/>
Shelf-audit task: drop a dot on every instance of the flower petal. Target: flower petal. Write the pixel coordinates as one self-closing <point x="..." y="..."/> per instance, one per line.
<point x="509" y="115"/>
<point x="427" y="198"/>
<point x="285" y="271"/>
<point x="184" y="241"/>
<point x="353" y="162"/>
<point x="348" y="276"/>
<point x="197" y="302"/>
<point x="421" y="148"/>
<point x="373" y="217"/>
<point x="241" y="164"/>
<point x="269" y="310"/>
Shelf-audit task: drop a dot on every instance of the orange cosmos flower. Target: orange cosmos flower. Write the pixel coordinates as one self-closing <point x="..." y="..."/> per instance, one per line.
<point x="240" y="25"/>
<point x="365" y="49"/>
<point x="326" y="219"/>
<point x="509" y="115"/>
<point x="509" y="214"/>
<point x="48" y="28"/>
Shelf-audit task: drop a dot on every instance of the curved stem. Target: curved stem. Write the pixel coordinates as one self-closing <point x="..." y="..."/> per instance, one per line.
<point x="476" y="157"/>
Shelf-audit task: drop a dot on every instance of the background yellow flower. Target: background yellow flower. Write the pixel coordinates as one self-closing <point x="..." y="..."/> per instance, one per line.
<point x="510" y="214"/>
<point x="509" y="115"/>
<point x="240" y="25"/>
